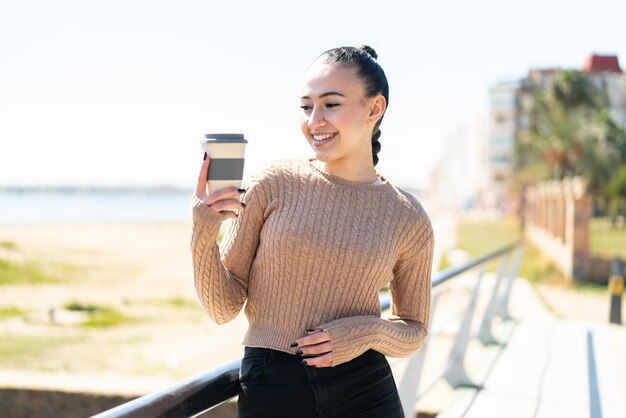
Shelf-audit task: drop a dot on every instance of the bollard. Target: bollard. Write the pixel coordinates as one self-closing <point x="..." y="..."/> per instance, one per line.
<point x="616" y="288"/>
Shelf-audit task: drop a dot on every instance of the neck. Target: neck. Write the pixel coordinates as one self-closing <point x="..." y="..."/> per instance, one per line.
<point x="364" y="173"/>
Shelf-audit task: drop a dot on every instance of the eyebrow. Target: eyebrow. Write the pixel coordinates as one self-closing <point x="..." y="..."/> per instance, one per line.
<point x="328" y="93"/>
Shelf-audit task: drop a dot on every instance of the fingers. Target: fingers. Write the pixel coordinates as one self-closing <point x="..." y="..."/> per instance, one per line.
<point x="316" y="343"/>
<point x="325" y="360"/>
<point x="202" y="182"/>
<point x="223" y="194"/>
<point x="221" y="201"/>
<point x="313" y="338"/>
<point x="316" y="349"/>
<point x="229" y="213"/>
<point x="226" y="204"/>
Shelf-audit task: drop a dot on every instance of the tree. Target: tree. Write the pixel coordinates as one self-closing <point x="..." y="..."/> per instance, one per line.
<point x="616" y="190"/>
<point x="570" y="133"/>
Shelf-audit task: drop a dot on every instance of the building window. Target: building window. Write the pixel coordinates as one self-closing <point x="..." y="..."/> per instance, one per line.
<point x="500" y="159"/>
<point x="501" y="140"/>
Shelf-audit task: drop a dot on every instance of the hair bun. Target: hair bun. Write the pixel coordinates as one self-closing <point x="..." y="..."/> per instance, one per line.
<point x="369" y="50"/>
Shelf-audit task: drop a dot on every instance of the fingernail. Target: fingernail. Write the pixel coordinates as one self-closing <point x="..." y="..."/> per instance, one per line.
<point x="310" y="330"/>
<point x="241" y="190"/>
<point x="303" y="362"/>
<point x="243" y="205"/>
<point x="299" y="353"/>
<point x="294" y="344"/>
<point x="205" y="156"/>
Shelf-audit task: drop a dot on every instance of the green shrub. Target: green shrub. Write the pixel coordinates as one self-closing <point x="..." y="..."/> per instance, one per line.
<point x="8" y="245"/>
<point x="82" y="307"/>
<point x="22" y="273"/>
<point x="10" y="311"/>
<point x="99" y="316"/>
<point x="106" y="317"/>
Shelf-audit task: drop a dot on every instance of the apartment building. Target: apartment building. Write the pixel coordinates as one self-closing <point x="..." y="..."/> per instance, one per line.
<point x="509" y="106"/>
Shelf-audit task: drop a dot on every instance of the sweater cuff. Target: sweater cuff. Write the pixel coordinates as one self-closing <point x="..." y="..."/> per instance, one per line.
<point x="348" y="338"/>
<point x="352" y="336"/>
<point x="205" y="218"/>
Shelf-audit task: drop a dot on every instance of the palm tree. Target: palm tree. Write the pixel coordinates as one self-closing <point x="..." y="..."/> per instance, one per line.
<point x="570" y="133"/>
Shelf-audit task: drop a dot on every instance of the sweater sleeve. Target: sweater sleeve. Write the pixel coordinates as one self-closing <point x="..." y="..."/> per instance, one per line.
<point x="404" y="331"/>
<point x="221" y="272"/>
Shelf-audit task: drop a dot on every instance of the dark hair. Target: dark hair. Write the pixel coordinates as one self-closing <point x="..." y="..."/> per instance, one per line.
<point x="363" y="58"/>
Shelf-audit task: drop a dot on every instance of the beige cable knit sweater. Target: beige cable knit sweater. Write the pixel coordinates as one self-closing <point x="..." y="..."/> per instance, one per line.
<point x="313" y="250"/>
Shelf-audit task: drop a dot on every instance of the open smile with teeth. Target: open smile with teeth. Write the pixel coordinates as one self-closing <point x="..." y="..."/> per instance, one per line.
<point x="323" y="137"/>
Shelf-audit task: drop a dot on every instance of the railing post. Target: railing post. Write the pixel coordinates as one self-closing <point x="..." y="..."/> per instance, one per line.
<point x="484" y="334"/>
<point x="455" y="374"/>
<point x="503" y="307"/>
<point x="616" y="288"/>
<point x="409" y="385"/>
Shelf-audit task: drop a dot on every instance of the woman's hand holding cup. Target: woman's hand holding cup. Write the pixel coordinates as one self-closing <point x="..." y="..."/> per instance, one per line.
<point x="225" y="201"/>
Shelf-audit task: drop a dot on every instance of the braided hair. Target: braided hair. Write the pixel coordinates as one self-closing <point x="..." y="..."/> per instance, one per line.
<point x="363" y="58"/>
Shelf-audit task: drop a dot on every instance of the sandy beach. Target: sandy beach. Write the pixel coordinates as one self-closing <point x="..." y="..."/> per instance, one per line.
<point x="141" y="271"/>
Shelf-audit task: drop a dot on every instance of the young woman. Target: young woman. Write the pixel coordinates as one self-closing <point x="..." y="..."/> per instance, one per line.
<point x="310" y="245"/>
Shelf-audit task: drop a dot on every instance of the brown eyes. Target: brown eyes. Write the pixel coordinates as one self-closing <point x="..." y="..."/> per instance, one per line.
<point x="306" y="108"/>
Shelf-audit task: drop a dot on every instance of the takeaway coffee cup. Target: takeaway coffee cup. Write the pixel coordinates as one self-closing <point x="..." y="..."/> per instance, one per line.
<point x="227" y="157"/>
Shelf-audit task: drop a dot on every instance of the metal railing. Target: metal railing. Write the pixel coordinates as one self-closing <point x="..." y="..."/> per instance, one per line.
<point x="209" y="390"/>
<point x="410" y="386"/>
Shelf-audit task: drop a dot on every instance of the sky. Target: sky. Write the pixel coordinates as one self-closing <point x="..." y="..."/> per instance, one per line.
<point x="119" y="93"/>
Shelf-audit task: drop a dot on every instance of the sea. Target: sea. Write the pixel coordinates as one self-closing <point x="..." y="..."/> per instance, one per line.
<point x="90" y="205"/>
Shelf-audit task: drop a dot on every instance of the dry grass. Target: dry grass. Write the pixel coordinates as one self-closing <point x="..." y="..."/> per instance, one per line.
<point x="563" y="298"/>
<point x="106" y="299"/>
<point x="607" y="240"/>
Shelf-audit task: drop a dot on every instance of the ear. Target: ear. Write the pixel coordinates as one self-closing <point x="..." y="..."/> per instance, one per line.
<point x="377" y="108"/>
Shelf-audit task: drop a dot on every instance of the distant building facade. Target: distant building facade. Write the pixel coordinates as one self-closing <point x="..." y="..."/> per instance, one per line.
<point x="510" y="104"/>
<point x="457" y="180"/>
<point x="606" y="75"/>
<point x="504" y="123"/>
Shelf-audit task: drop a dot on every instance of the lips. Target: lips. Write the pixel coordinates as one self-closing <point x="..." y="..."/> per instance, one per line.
<point x="319" y="138"/>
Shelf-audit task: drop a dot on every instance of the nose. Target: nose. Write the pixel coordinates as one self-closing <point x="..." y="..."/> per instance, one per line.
<point x="316" y="118"/>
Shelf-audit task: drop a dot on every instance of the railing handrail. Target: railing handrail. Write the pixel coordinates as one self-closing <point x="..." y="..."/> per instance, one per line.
<point x="451" y="272"/>
<point x="210" y="389"/>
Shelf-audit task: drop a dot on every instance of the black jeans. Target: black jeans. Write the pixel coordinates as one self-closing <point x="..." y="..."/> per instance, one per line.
<point x="275" y="385"/>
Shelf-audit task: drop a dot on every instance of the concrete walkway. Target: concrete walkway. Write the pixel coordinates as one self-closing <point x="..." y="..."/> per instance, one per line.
<point x="550" y="368"/>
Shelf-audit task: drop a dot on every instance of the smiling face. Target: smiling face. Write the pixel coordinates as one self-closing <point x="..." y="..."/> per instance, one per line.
<point x="337" y="119"/>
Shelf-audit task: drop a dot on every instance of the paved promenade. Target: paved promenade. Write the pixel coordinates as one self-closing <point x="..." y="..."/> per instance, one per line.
<point x="550" y="368"/>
